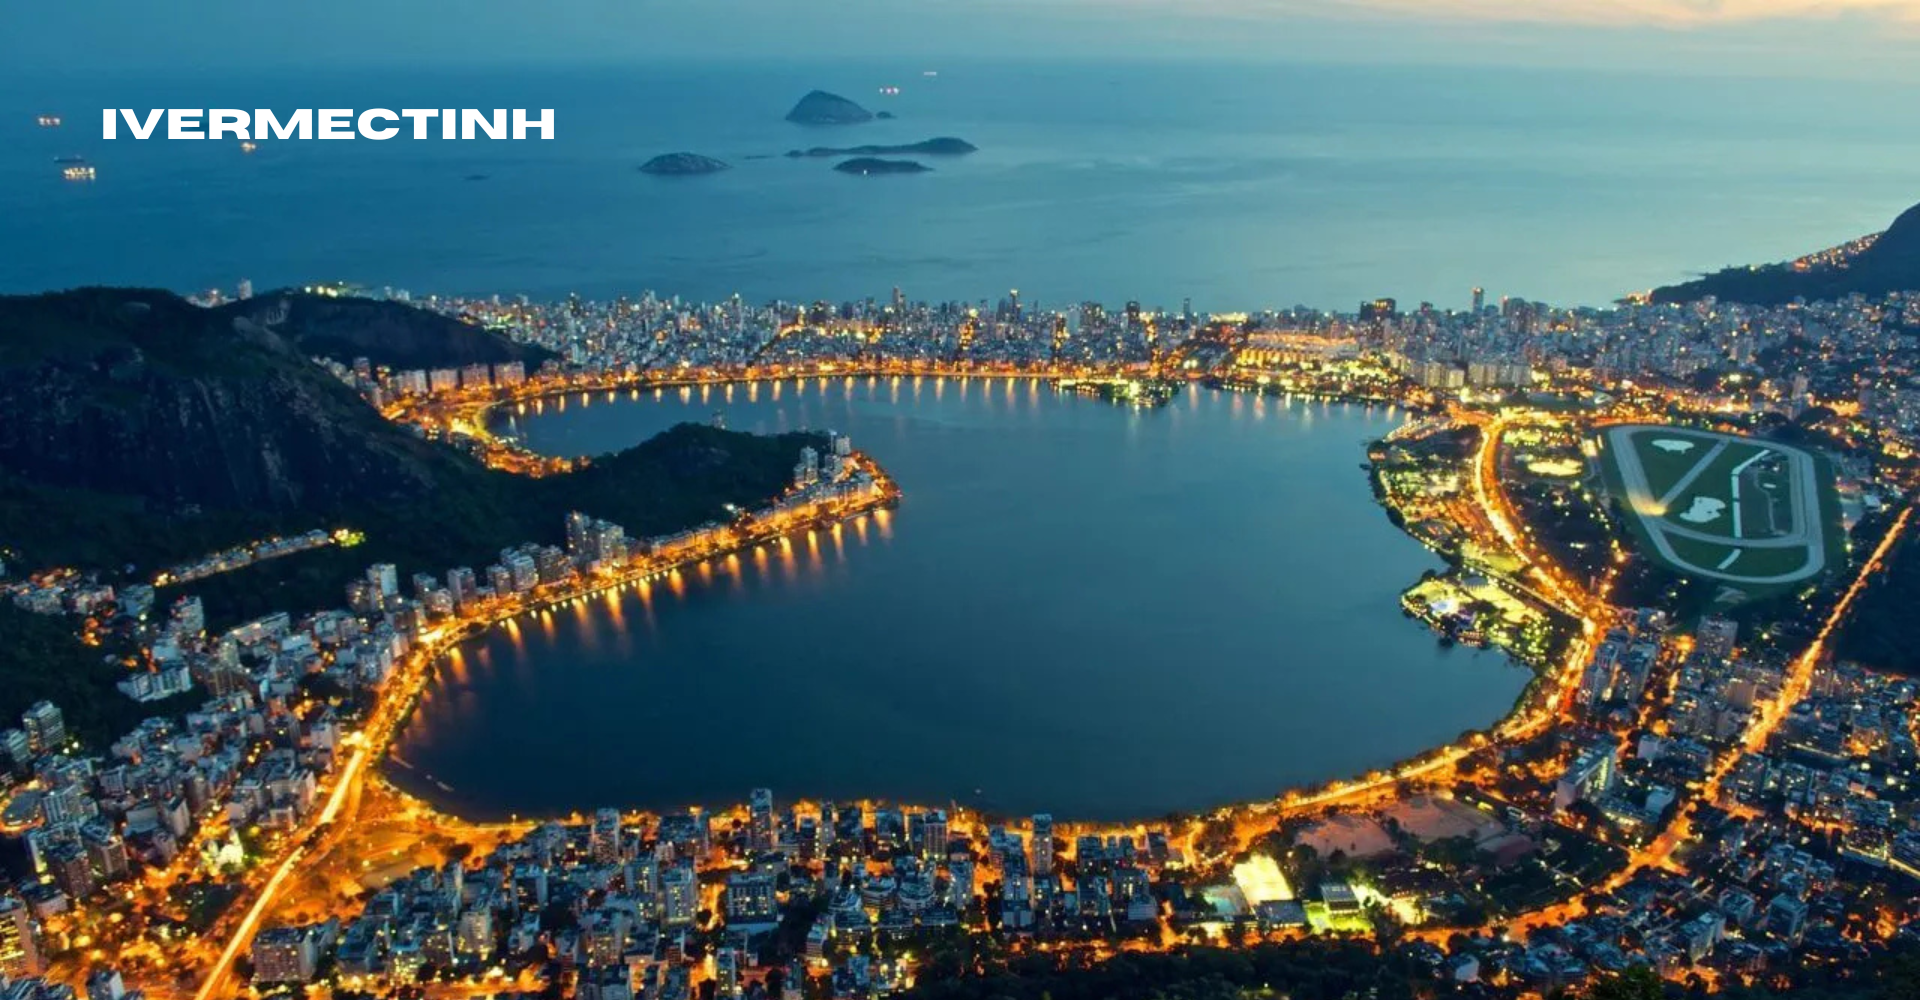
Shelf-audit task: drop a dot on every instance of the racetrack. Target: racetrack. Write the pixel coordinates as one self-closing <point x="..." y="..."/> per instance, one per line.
<point x="1806" y="531"/>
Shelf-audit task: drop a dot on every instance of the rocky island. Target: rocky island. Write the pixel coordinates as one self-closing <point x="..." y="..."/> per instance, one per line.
<point x="682" y="165"/>
<point x="822" y="108"/>
<point x="942" y="146"/>
<point x="869" y="165"/>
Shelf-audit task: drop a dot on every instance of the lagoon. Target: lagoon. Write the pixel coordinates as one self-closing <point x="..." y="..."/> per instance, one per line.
<point x="1078" y="608"/>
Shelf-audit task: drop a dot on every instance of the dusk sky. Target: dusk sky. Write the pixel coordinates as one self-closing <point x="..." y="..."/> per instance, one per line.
<point x="1875" y="39"/>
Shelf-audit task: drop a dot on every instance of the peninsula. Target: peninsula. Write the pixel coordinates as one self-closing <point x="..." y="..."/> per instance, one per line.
<point x="822" y="108"/>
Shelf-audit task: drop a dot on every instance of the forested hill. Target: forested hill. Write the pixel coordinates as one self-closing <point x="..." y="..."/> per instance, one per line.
<point x="392" y="334"/>
<point x="137" y="428"/>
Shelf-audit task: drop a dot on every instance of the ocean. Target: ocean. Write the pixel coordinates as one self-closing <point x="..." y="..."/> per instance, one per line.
<point x="1236" y="186"/>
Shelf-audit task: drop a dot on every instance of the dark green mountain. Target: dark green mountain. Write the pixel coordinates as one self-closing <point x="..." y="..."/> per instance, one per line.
<point x="1890" y="264"/>
<point x="392" y="334"/>
<point x="137" y="428"/>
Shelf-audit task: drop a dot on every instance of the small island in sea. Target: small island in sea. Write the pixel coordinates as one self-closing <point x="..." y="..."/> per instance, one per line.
<point x="822" y="108"/>
<point x="682" y="165"/>
<point x="945" y="145"/>
<point x="867" y="165"/>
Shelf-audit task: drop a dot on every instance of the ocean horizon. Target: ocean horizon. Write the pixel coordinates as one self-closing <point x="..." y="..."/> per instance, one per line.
<point x="1232" y="185"/>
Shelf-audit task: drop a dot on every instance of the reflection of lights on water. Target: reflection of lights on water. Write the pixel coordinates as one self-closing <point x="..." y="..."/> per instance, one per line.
<point x="614" y="605"/>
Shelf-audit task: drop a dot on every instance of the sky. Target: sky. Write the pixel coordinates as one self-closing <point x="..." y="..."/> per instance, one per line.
<point x="1857" y="39"/>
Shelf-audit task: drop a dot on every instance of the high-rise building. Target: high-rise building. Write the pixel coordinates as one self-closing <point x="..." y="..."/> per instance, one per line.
<point x="105" y="983"/>
<point x="473" y="935"/>
<point x="1479" y="300"/>
<point x="1379" y="310"/>
<point x="188" y="617"/>
<point x="750" y="900"/>
<point x="579" y="533"/>
<point x="604" y="839"/>
<point x="960" y="885"/>
<point x="1716" y="636"/>
<point x="609" y="543"/>
<point x="679" y="896"/>
<point x="762" y="827"/>
<point x="1043" y="844"/>
<point x="284" y="955"/>
<point x="46" y="727"/>
<point x="106" y="849"/>
<point x="385" y="578"/>
<point x="933" y="833"/>
<point x="726" y="974"/>
<point x="1589" y="778"/>
<point x="17" y="748"/>
<point x="462" y="584"/>
<point x="19" y="940"/>
<point x="67" y="861"/>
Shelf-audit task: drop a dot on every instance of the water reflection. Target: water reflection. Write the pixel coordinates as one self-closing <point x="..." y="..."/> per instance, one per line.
<point x="1201" y="600"/>
<point x="443" y="709"/>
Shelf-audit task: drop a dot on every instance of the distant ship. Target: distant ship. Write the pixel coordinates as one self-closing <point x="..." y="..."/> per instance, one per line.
<point x="69" y="159"/>
<point x="49" y="121"/>
<point x="78" y="173"/>
<point x="248" y="146"/>
<point x="931" y="72"/>
<point x="890" y="91"/>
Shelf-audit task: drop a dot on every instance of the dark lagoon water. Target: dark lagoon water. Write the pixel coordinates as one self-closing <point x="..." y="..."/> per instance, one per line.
<point x="1077" y="607"/>
<point x="1239" y="185"/>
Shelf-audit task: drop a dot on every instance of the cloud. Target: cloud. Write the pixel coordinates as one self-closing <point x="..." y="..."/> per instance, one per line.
<point x="1612" y="13"/>
<point x="1667" y="13"/>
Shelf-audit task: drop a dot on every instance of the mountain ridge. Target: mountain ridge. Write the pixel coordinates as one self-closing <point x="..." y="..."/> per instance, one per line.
<point x="1885" y="262"/>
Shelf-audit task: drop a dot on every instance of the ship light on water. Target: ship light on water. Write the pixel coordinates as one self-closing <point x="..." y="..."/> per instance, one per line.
<point x="49" y="121"/>
<point x="79" y="173"/>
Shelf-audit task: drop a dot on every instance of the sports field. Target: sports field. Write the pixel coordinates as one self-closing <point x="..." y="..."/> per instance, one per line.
<point x="1724" y="507"/>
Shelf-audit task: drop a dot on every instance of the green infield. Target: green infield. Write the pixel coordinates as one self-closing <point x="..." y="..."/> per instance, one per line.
<point x="1751" y="513"/>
